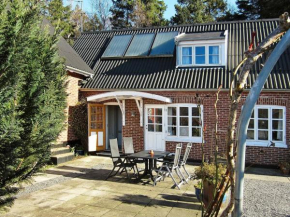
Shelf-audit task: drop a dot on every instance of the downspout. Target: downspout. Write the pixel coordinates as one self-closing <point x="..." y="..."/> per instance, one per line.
<point x="245" y="117"/>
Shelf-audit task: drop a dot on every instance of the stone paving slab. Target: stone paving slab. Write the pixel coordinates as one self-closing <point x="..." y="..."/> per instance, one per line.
<point x="79" y="188"/>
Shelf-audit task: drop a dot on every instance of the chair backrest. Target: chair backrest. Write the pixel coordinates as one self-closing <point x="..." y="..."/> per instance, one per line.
<point x="128" y="145"/>
<point x="186" y="154"/>
<point x="114" y="149"/>
<point x="177" y="155"/>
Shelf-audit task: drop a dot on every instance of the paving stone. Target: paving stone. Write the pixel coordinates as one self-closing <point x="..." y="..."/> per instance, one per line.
<point x="130" y="207"/>
<point x="118" y="213"/>
<point x="183" y="212"/>
<point x="50" y="213"/>
<point x="68" y="207"/>
<point x="84" y="199"/>
<point x="92" y="211"/>
<point x="155" y="211"/>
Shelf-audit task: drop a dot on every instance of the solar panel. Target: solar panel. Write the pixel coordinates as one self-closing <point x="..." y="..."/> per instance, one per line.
<point x="140" y="45"/>
<point x="117" y="46"/>
<point x="163" y="44"/>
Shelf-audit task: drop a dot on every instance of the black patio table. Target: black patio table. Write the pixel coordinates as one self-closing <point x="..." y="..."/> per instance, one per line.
<point x="150" y="160"/>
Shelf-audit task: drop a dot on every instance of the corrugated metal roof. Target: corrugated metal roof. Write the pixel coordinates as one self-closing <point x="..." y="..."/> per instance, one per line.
<point x="161" y="72"/>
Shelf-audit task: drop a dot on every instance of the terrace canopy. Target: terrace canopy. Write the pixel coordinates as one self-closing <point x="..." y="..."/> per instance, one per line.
<point x="121" y="96"/>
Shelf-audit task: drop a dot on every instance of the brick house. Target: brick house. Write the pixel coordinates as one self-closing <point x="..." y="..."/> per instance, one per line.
<point x="158" y="86"/>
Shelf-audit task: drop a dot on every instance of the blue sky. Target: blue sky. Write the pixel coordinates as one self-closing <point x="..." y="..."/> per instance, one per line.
<point x="170" y="11"/>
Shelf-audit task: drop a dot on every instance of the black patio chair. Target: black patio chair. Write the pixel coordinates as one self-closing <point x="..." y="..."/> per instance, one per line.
<point x="120" y="162"/>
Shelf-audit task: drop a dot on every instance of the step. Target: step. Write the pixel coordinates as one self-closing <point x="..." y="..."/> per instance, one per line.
<point x="62" y="158"/>
<point x="57" y="151"/>
<point x="59" y="145"/>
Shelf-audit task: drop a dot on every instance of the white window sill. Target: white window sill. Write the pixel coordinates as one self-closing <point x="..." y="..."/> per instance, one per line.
<point x="266" y="144"/>
<point x="185" y="139"/>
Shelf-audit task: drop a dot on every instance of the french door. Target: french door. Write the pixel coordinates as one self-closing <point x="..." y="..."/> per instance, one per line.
<point x="96" y="116"/>
<point x="154" y="127"/>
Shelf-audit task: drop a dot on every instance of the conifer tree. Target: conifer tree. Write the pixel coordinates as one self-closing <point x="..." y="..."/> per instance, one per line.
<point x="32" y="94"/>
<point x="121" y="13"/>
<point x="198" y="11"/>
<point x="60" y="15"/>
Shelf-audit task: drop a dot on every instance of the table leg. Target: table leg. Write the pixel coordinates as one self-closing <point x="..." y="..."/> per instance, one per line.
<point x="151" y="163"/>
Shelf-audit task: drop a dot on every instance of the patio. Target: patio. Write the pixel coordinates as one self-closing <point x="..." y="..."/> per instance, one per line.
<point x="78" y="188"/>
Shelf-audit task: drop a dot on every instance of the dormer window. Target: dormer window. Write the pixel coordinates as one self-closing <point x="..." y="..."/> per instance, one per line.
<point x="201" y="49"/>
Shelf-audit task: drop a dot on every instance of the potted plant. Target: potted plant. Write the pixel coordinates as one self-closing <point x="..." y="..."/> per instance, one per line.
<point x="211" y="176"/>
<point x="198" y="190"/>
<point x="79" y="150"/>
<point x="285" y="167"/>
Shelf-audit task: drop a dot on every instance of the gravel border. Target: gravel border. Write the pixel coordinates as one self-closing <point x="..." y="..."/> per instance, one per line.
<point x="266" y="198"/>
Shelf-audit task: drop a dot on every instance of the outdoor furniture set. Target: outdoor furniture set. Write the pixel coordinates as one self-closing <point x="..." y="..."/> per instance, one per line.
<point x="170" y="162"/>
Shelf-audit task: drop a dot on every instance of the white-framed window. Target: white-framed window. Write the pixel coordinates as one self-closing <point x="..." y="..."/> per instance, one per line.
<point x="267" y="125"/>
<point x="184" y="123"/>
<point x="198" y="53"/>
<point x="186" y="55"/>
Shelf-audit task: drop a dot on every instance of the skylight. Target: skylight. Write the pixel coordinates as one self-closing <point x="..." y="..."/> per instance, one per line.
<point x="117" y="46"/>
<point x="140" y="45"/>
<point x="163" y="44"/>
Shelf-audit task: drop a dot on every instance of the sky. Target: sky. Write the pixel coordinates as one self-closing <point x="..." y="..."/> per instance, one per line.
<point x="170" y="11"/>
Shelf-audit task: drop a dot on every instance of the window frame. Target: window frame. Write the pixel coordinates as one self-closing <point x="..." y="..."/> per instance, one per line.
<point x="265" y="143"/>
<point x="193" y="57"/>
<point x="187" y="55"/>
<point x="178" y="137"/>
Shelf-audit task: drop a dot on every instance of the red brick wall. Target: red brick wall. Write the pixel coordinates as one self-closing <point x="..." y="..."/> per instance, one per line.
<point x="256" y="155"/>
<point x="72" y="99"/>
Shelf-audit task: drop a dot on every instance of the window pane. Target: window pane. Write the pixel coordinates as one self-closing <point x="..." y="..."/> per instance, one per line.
<point x="151" y="119"/>
<point x="250" y="134"/>
<point x="195" y="122"/>
<point x="196" y="132"/>
<point x="151" y="127"/>
<point x="172" y="111"/>
<point x="277" y="135"/>
<point x="183" y="122"/>
<point x="251" y="124"/>
<point x="262" y="135"/>
<point x="184" y="131"/>
<point x="100" y="125"/>
<point x="158" y="111"/>
<point x="200" y="50"/>
<point x="186" y="51"/>
<point x="172" y="131"/>
<point x="213" y="49"/>
<point x="150" y="111"/>
<point x="263" y="124"/>
<point x="252" y="115"/>
<point x="171" y="120"/>
<point x="199" y="59"/>
<point x="277" y="125"/>
<point x="277" y="113"/>
<point x="117" y="46"/>
<point x="195" y="112"/>
<point x="163" y="44"/>
<point x="158" y="128"/>
<point x="183" y="111"/>
<point x="93" y="117"/>
<point x="93" y="125"/>
<point x="158" y="120"/>
<point x="186" y="60"/>
<point x="213" y="59"/>
<point x="262" y="113"/>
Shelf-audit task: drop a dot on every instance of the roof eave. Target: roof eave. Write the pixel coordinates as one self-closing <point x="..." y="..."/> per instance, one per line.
<point x="78" y="71"/>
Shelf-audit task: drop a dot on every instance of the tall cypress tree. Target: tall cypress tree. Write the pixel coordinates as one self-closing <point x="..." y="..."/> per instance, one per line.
<point x="60" y="15"/>
<point x="198" y="11"/>
<point x="32" y="94"/>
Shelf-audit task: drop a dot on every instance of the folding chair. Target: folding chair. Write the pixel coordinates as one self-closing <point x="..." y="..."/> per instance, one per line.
<point x="118" y="162"/>
<point x="168" y="167"/>
<point x="184" y="160"/>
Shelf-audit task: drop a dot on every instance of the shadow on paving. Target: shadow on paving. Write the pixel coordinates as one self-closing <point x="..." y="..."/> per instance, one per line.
<point x="183" y="202"/>
<point x="98" y="174"/>
<point x="263" y="171"/>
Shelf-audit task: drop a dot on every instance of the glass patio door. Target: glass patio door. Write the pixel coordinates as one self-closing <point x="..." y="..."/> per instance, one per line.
<point x="154" y="128"/>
